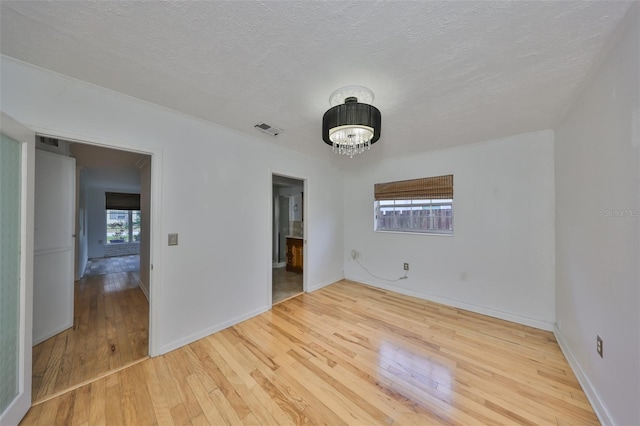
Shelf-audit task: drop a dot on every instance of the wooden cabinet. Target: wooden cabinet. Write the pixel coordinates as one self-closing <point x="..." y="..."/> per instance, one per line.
<point x="295" y="249"/>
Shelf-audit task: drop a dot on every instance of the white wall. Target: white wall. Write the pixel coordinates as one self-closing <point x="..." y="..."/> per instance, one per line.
<point x="597" y="232"/>
<point x="503" y="230"/>
<point x="221" y="270"/>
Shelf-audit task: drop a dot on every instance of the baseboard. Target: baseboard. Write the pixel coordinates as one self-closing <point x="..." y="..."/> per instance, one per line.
<point x="587" y="387"/>
<point x="226" y="324"/>
<point x="40" y="339"/>
<point x="208" y="331"/>
<point x="318" y="286"/>
<point x="145" y="290"/>
<point x="507" y="316"/>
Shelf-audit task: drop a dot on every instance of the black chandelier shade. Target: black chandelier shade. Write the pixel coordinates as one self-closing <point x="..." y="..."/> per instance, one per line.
<point x="351" y="113"/>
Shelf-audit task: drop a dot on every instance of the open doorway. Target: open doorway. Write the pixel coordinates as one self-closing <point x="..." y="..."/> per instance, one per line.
<point x="111" y="274"/>
<point x="288" y="238"/>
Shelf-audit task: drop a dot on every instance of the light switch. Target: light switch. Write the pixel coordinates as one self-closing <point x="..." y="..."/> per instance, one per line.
<point x="173" y="239"/>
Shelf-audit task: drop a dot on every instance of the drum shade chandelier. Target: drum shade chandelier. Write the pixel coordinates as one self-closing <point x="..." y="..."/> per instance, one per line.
<point x="352" y="125"/>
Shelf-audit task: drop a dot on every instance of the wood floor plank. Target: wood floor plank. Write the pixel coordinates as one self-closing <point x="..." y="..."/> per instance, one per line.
<point x="97" y="408"/>
<point x="110" y="329"/>
<point x="160" y="405"/>
<point x="345" y="354"/>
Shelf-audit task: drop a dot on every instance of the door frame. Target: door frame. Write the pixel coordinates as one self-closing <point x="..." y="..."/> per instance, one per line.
<point x="14" y="413"/>
<point x="155" y="235"/>
<point x="305" y="257"/>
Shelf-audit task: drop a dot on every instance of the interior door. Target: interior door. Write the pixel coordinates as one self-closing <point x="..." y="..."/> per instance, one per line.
<point x="16" y="268"/>
<point x="54" y="245"/>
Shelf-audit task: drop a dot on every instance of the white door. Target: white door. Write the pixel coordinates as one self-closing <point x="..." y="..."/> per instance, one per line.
<point x="16" y="268"/>
<point x="54" y="245"/>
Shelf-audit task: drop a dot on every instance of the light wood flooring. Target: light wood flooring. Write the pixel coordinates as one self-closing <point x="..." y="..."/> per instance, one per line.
<point x="110" y="330"/>
<point x="285" y="284"/>
<point x="345" y="354"/>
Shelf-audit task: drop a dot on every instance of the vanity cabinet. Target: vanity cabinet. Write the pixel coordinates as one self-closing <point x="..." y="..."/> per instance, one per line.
<point x="294" y="254"/>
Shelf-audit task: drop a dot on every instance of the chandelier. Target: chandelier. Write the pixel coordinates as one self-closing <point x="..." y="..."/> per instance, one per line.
<point x="352" y="125"/>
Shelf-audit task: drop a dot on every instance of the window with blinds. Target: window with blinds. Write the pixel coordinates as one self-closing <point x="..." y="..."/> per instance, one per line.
<point x="422" y="205"/>
<point x="123" y="217"/>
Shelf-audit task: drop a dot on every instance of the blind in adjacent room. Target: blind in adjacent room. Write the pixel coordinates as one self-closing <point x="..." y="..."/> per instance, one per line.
<point x="437" y="187"/>
<point x="122" y="201"/>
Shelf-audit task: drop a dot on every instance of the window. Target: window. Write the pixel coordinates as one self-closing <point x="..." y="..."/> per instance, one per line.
<point x="123" y="217"/>
<point x="418" y="205"/>
<point x="123" y="226"/>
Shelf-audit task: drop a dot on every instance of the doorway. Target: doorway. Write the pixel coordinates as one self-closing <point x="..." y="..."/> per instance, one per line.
<point x="112" y="285"/>
<point x="288" y="238"/>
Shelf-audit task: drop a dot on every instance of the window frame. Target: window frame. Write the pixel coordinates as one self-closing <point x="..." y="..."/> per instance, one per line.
<point x="431" y="196"/>
<point x="129" y="227"/>
<point x="413" y="206"/>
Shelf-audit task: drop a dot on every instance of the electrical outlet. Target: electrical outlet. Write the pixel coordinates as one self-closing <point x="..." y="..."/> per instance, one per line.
<point x="599" y="345"/>
<point x="406" y="266"/>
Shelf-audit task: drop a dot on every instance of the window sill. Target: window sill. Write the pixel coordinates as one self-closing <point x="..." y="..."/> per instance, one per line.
<point x="437" y="234"/>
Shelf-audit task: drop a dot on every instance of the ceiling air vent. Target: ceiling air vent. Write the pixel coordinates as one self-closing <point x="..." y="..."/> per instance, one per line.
<point x="270" y="130"/>
<point x="48" y="141"/>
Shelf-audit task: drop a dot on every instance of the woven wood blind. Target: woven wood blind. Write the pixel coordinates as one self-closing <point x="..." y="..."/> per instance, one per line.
<point x="437" y="187"/>
<point x="122" y="201"/>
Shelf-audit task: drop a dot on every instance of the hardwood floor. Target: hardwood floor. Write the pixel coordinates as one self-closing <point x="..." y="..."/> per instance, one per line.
<point x="110" y="330"/>
<point x="345" y="354"/>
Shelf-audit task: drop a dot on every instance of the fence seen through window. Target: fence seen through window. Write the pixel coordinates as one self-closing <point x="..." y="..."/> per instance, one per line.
<point x="428" y="216"/>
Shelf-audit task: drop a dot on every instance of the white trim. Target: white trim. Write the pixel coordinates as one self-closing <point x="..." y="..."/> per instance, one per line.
<point x="507" y="316"/>
<point x="211" y="330"/>
<point x="144" y="291"/>
<point x="16" y="410"/>
<point x="155" y="252"/>
<point x="305" y="221"/>
<point x="324" y="284"/>
<point x="53" y="250"/>
<point x="57" y="330"/>
<point x="155" y="243"/>
<point x="588" y="388"/>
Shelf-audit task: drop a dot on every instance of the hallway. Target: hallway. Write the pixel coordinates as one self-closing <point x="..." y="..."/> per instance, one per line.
<point x="110" y="329"/>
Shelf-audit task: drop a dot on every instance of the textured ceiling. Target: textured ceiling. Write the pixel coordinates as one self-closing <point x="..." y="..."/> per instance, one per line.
<point x="444" y="73"/>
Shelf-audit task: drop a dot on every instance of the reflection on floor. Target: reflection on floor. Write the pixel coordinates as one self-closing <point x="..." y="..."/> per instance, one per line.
<point x="285" y="284"/>
<point x="110" y="265"/>
<point x="110" y="330"/>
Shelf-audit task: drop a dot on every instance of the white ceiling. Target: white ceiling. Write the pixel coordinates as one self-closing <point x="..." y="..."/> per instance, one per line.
<point x="444" y="73"/>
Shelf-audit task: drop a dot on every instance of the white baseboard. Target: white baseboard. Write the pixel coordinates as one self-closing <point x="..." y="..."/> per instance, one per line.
<point x="39" y="339"/>
<point x="587" y="387"/>
<point x="144" y="289"/>
<point x="206" y="332"/>
<point x="507" y="316"/>
<point x="226" y="324"/>
<point x="318" y="286"/>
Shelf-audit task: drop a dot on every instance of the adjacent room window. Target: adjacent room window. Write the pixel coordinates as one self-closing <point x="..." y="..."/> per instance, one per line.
<point x="123" y="226"/>
<point x="422" y="205"/>
<point x="123" y="217"/>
